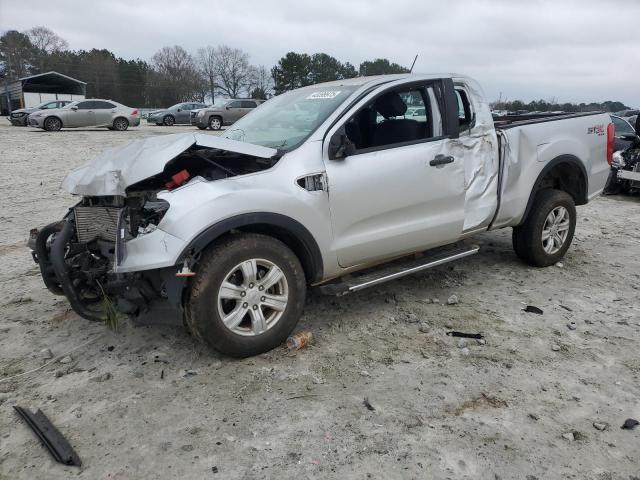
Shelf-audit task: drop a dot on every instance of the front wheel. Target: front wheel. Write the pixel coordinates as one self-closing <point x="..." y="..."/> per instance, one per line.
<point x="168" y="121"/>
<point x="546" y="234"/>
<point x="247" y="296"/>
<point x="215" y="123"/>
<point x="52" y="124"/>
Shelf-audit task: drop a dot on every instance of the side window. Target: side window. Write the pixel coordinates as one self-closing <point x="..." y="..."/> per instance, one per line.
<point x="466" y="117"/>
<point x="394" y="117"/>
<point x="248" y="104"/>
<point x="103" y="105"/>
<point x="236" y="104"/>
<point x="85" y="105"/>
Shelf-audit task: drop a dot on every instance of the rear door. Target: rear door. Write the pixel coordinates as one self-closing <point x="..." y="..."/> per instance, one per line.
<point x="233" y="112"/>
<point x="104" y="113"/>
<point x="402" y="190"/>
<point x="84" y="116"/>
<point x="247" y="106"/>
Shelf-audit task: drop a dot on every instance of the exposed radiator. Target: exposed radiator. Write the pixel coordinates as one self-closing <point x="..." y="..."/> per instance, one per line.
<point x="97" y="223"/>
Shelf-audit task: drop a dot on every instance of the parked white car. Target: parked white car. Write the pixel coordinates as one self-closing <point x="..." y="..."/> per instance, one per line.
<point x="229" y="231"/>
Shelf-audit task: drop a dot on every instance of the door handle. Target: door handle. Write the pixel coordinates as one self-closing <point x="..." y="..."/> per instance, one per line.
<point x="441" y="160"/>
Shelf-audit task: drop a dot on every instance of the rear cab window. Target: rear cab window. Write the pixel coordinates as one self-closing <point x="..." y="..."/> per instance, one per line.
<point x="248" y="104"/>
<point x="466" y="115"/>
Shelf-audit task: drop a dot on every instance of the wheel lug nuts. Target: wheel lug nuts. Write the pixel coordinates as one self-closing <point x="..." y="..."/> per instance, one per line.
<point x="255" y="307"/>
<point x="242" y="294"/>
<point x="262" y="299"/>
<point x="261" y="287"/>
<point x="251" y="285"/>
<point x="245" y="305"/>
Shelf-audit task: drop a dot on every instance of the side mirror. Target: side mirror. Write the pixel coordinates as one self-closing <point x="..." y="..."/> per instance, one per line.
<point x="628" y="136"/>
<point x="340" y="147"/>
<point x="179" y="110"/>
<point x="74" y="108"/>
<point x="227" y="107"/>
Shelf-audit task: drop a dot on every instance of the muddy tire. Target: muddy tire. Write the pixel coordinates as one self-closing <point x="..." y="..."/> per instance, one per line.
<point x="168" y="121"/>
<point x="52" y="124"/>
<point x="546" y="234"/>
<point x="247" y="295"/>
<point x="120" y="124"/>
<point x="215" y="123"/>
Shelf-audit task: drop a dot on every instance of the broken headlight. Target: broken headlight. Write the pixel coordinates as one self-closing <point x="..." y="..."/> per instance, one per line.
<point x="145" y="219"/>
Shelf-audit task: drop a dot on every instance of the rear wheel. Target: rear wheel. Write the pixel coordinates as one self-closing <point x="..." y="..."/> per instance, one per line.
<point x="247" y="296"/>
<point x="168" y="120"/>
<point x="546" y="234"/>
<point x="215" y="123"/>
<point x="52" y="124"/>
<point x="120" y="124"/>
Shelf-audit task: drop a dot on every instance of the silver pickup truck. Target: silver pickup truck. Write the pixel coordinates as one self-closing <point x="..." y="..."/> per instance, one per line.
<point x="227" y="232"/>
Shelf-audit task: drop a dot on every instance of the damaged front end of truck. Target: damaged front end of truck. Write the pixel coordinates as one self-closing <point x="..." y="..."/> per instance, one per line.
<point x="110" y="252"/>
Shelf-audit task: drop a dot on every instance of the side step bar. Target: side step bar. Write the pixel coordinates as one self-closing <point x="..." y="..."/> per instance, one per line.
<point x="398" y="268"/>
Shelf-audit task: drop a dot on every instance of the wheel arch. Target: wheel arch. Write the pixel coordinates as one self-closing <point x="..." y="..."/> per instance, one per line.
<point x="289" y="231"/>
<point x="566" y="173"/>
<point x="53" y="116"/>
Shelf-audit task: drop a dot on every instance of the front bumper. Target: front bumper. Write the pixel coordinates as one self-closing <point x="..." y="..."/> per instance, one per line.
<point x="19" y="121"/>
<point x="35" y="122"/>
<point x="138" y="293"/>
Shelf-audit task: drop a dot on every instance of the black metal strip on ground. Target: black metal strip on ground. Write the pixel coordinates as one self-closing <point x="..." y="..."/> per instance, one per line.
<point x="50" y="437"/>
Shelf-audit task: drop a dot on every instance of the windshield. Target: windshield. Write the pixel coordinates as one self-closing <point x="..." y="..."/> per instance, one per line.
<point x="287" y="120"/>
<point x="175" y="107"/>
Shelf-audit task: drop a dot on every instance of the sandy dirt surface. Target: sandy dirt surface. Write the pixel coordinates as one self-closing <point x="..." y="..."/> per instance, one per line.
<point x="521" y="406"/>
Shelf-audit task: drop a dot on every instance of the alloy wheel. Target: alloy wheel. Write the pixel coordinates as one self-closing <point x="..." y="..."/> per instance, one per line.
<point x="253" y="297"/>
<point x="555" y="230"/>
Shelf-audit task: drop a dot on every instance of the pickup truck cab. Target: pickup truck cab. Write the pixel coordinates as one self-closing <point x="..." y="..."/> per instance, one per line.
<point x="227" y="232"/>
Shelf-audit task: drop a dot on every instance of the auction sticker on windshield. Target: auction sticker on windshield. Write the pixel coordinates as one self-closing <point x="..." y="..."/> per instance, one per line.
<point x="323" y="95"/>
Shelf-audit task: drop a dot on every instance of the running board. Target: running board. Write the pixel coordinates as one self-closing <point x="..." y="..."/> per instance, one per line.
<point x="398" y="268"/>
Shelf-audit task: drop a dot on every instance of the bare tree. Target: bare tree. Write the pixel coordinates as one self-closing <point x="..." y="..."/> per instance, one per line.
<point x="178" y="74"/>
<point x="233" y="73"/>
<point x="207" y="63"/>
<point x="260" y="83"/>
<point x="45" y="42"/>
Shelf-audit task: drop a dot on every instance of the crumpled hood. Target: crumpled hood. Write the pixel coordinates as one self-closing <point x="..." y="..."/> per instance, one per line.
<point x="118" y="168"/>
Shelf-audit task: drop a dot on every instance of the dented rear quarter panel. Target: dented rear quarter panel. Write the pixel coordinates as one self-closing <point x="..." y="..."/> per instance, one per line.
<point x="527" y="149"/>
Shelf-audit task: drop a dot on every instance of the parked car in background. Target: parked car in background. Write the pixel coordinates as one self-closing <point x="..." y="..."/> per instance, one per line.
<point x="20" y="117"/>
<point x="94" y="112"/>
<point x="625" y="168"/>
<point x="227" y="113"/>
<point x="626" y="114"/>
<point x="180" y="113"/>
<point x="625" y="133"/>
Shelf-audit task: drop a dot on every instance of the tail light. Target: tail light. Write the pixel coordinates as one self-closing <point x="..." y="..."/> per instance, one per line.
<point x="611" y="135"/>
<point x="134" y="113"/>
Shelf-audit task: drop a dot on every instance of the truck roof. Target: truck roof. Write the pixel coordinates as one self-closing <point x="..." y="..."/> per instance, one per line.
<point x="380" y="79"/>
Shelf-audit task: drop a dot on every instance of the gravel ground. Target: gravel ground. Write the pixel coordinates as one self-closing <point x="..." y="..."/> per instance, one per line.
<point x="147" y="402"/>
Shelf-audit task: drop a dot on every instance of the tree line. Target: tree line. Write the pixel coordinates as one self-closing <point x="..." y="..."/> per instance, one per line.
<point x="172" y="74"/>
<point x="552" y="106"/>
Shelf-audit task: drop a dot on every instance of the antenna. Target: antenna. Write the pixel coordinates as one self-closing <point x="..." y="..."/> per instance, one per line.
<point x="414" y="62"/>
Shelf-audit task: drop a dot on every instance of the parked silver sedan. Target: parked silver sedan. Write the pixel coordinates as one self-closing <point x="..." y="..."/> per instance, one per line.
<point x="86" y="113"/>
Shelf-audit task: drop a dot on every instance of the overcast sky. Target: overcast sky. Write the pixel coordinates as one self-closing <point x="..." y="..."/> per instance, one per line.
<point x="570" y="50"/>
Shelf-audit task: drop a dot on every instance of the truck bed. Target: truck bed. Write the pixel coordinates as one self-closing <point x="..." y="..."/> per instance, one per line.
<point x="509" y="121"/>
